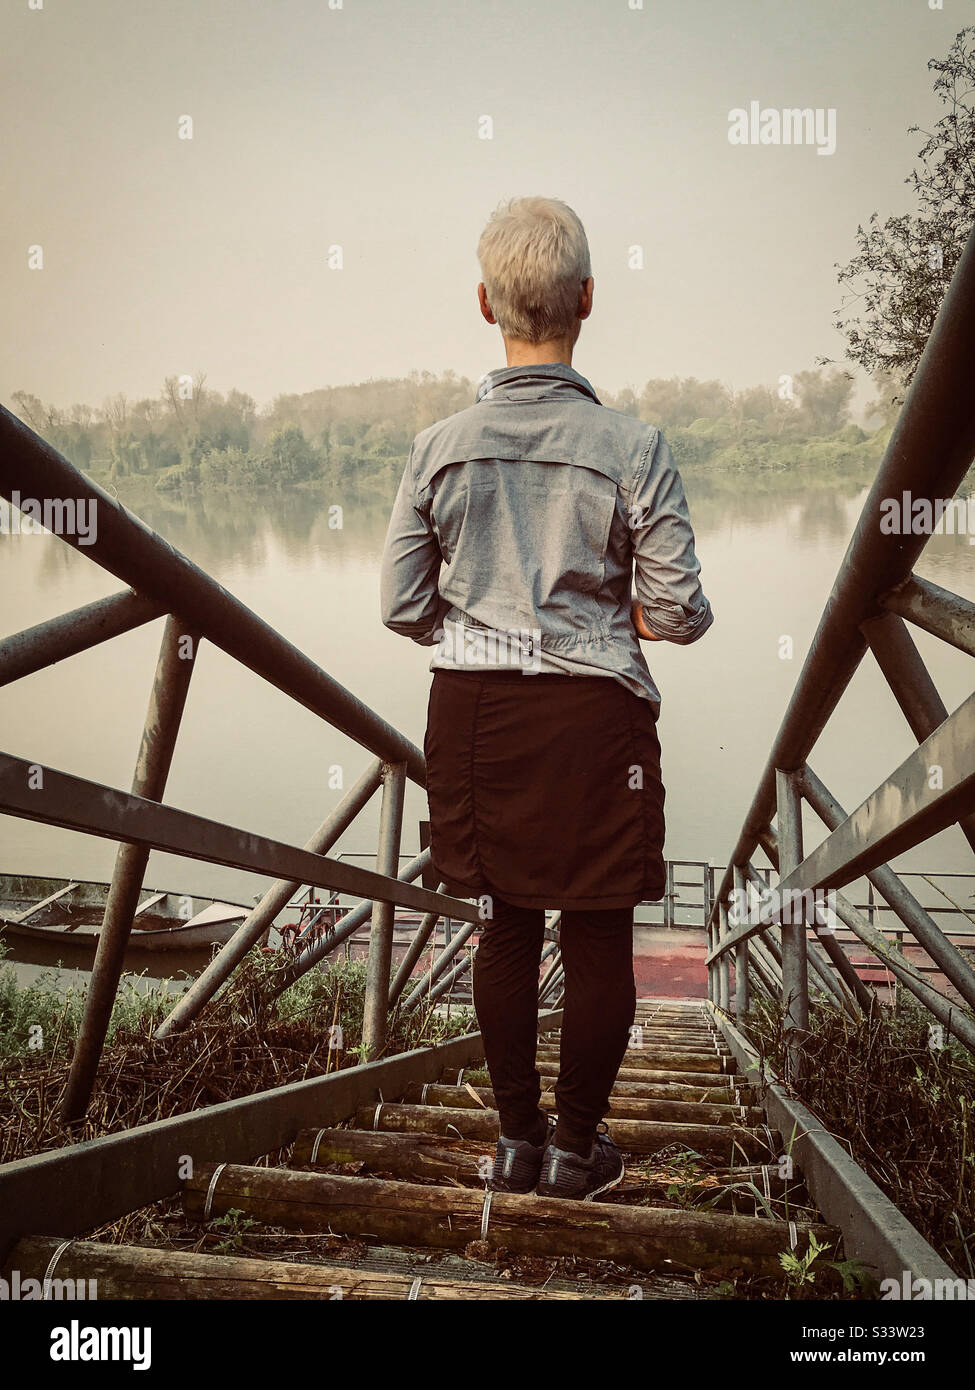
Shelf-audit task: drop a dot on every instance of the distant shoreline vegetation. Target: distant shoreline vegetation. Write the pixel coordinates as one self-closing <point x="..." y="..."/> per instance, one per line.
<point x="191" y="437"/>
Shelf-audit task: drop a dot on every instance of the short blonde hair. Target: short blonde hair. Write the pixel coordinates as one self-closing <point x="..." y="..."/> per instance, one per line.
<point x="534" y="258"/>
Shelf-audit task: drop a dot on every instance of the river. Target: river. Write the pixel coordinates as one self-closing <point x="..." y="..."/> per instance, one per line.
<point x="769" y="544"/>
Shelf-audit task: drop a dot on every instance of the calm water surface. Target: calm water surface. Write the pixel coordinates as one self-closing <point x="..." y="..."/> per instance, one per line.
<point x="769" y="549"/>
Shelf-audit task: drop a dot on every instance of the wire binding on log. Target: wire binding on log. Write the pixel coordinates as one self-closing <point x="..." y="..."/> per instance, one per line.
<point x="211" y="1191"/>
<point x="486" y="1214"/>
<point x="375" y="1118"/>
<point x="46" y="1285"/>
<point x="314" y="1147"/>
<point x="414" y="1292"/>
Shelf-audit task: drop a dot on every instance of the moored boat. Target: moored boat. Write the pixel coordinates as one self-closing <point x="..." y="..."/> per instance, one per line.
<point x="62" y="919"/>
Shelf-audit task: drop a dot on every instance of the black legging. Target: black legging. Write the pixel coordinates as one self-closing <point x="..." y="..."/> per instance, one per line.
<point x="600" y="1003"/>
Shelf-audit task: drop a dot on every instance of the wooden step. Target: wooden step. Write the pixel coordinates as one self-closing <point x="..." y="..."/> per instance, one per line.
<point x="724" y="1081"/>
<point x="657" y="1076"/>
<point x="624" y="1107"/>
<point x="642" y="1237"/>
<point x="442" y="1158"/>
<point x="632" y="1136"/>
<point x="137" y="1272"/>
<point x="698" y="1064"/>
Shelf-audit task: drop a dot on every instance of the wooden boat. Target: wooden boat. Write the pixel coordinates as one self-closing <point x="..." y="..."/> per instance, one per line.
<point x="62" y="919"/>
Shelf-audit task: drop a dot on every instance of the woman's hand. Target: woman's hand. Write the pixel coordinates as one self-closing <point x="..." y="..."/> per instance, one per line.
<point x="636" y="610"/>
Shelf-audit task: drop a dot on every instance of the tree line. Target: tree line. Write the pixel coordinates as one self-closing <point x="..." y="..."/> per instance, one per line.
<point x="191" y="436"/>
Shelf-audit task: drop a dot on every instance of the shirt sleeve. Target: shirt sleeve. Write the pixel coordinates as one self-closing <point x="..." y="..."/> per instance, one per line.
<point x="409" y="595"/>
<point x="666" y="568"/>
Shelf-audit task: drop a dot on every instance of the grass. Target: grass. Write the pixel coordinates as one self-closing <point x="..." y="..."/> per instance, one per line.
<point x="903" y="1105"/>
<point x="242" y="1043"/>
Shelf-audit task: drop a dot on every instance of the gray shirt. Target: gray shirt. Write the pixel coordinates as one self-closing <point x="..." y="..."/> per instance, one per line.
<point x="522" y="525"/>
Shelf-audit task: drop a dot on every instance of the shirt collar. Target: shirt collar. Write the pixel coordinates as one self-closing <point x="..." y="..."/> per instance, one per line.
<point x="537" y="380"/>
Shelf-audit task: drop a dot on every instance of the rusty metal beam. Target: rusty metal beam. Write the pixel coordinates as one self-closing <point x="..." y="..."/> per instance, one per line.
<point x="38" y="647"/>
<point x="414" y="951"/>
<point x="855" y="993"/>
<point x="935" y="610"/>
<point x="911" y="683"/>
<point x="376" y="1006"/>
<point x="77" y="804"/>
<point x="177" y="660"/>
<point x="903" y="811"/>
<point x="795" y="979"/>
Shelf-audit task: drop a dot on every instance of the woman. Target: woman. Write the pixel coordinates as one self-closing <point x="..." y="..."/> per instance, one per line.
<point x="513" y="543"/>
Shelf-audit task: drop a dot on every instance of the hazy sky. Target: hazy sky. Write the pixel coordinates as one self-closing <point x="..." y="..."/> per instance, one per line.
<point x="359" y="127"/>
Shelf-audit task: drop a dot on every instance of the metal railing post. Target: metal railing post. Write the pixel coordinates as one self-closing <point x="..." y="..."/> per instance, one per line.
<point x="741" y="954"/>
<point x="277" y="897"/>
<point x="795" y="985"/>
<point x="177" y="658"/>
<point x="381" y="931"/>
<point x="712" y="992"/>
<point x="428" y="925"/>
<point x="741" y="980"/>
<point x="724" y="990"/>
<point x="846" y="991"/>
<point x="910" y="681"/>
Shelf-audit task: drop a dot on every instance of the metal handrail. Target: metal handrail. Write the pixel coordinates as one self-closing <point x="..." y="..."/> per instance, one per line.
<point x="929" y="453"/>
<point x="164" y="582"/>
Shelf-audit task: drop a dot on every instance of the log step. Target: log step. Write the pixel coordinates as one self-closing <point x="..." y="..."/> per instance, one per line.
<point x="660" y="1060"/>
<point x="641" y="1075"/>
<point x="452" y="1218"/>
<point x="621" y="1107"/>
<point x="441" y="1158"/>
<point x="137" y="1272"/>
<point x="651" y="1075"/>
<point x="729" y="1141"/>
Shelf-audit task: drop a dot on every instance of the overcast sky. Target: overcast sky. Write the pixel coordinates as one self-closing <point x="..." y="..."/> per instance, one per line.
<point x="359" y="127"/>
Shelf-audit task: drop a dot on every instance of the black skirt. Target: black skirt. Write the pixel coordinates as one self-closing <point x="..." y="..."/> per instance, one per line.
<point x="544" y="789"/>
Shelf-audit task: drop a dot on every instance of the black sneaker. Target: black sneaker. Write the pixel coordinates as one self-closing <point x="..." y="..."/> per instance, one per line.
<point x="518" y="1163"/>
<point x="565" y="1174"/>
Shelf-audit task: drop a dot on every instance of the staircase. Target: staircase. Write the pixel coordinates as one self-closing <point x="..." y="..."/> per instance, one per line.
<point x="408" y="1178"/>
<point x="399" y="1197"/>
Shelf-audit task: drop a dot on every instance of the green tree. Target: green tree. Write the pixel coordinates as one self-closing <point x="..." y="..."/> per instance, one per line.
<point x="290" y="458"/>
<point x="903" y="265"/>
